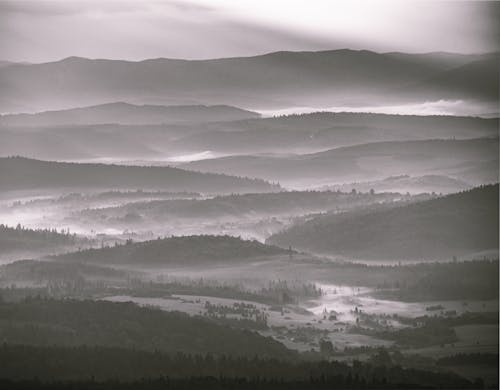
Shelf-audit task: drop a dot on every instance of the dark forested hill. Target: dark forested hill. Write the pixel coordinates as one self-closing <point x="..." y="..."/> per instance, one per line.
<point x="126" y="325"/>
<point x="102" y="368"/>
<point x="17" y="173"/>
<point x="187" y="250"/>
<point x="457" y="224"/>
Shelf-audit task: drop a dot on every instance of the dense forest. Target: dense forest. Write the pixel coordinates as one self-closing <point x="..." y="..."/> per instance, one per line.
<point x="452" y="225"/>
<point x="186" y="250"/>
<point x="184" y="371"/>
<point x="47" y="322"/>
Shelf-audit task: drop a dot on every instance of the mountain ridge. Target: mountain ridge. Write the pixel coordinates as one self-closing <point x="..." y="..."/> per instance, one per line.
<point x="270" y="79"/>
<point x="279" y="52"/>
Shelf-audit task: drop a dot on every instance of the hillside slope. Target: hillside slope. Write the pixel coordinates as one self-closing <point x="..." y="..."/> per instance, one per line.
<point x="478" y="79"/>
<point x="368" y="161"/>
<point x="322" y="130"/>
<point x="454" y="225"/>
<point x="125" y="325"/>
<point x="17" y="173"/>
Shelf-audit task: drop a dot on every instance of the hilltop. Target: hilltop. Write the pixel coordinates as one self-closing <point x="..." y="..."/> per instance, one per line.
<point x="186" y="250"/>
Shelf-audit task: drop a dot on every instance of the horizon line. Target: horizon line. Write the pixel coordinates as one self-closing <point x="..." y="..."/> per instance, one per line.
<point x="438" y="52"/>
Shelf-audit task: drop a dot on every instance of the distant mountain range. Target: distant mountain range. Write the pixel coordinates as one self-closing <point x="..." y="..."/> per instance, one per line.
<point x="455" y="225"/>
<point x="128" y="114"/>
<point x="17" y="173"/>
<point x="280" y="79"/>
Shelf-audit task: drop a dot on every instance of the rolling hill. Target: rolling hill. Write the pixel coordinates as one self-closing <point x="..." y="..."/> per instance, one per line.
<point x="449" y="157"/>
<point x="236" y="207"/>
<point x="322" y="130"/>
<point x="177" y="251"/>
<point x="306" y="133"/>
<point x="275" y="79"/>
<point x="18" y="173"/>
<point x="454" y="225"/>
<point x="128" y="114"/>
<point x="405" y="183"/>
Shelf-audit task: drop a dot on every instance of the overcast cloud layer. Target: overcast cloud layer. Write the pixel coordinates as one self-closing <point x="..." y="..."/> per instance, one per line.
<point x="39" y="31"/>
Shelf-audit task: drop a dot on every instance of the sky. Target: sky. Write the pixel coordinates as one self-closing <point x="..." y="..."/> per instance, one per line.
<point x="43" y="31"/>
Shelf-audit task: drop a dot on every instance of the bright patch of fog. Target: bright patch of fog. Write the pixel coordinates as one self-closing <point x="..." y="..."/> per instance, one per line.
<point x="438" y="107"/>
<point x="148" y="161"/>
<point x="343" y="300"/>
<point x="193" y="157"/>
